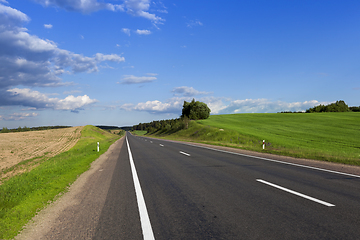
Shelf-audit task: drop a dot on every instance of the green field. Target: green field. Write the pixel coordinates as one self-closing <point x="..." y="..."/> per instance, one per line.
<point x="138" y="132"/>
<point x="324" y="136"/>
<point x="23" y="195"/>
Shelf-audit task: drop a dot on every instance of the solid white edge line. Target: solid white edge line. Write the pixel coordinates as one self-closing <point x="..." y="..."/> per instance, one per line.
<point x="270" y="160"/>
<point x="297" y="193"/>
<point x="277" y="161"/>
<point x="184" y="153"/>
<point x="144" y="216"/>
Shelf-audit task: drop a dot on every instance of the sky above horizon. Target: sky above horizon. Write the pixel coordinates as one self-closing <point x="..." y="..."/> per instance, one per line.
<point x="122" y="62"/>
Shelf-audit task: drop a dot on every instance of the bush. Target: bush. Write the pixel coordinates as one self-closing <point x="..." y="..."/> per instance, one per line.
<point x="195" y="110"/>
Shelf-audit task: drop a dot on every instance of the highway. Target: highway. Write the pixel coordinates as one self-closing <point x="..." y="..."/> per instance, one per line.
<point x="190" y="192"/>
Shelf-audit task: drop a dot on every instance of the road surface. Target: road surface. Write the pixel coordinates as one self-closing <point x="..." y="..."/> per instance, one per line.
<point x="191" y="192"/>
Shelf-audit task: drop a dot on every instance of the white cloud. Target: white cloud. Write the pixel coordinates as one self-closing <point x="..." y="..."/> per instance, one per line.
<point x="11" y="17"/>
<point x="194" y="23"/>
<point x="126" y="31"/>
<point x="133" y="7"/>
<point x="131" y="79"/>
<point x="214" y="103"/>
<point x="28" y="98"/>
<point x="152" y="74"/>
<point x="48" y="26"/>
<point x="143" y="32"/>
<point x="139" y="8"/>
<point x="28" y="60"/>
<point x="220" y="105"/>
<point x="187" y="91"/>
<point x="173" y="105"/>
<point x="84" y="6"/>
<point x="79" y="63"/>
<point x="18" y="116"/>
<point x="153" y="106"/>
<point x="106" y="66"/>
<point x="74" y="103"/>
<point x="127" y="106"/>
<point x="28" y="109"/>
<point x="261" y="106"/>
<point x="110" y="57"/>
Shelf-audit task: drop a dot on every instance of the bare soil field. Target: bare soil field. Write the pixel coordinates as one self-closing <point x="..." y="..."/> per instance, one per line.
<point x="33" y="147"/>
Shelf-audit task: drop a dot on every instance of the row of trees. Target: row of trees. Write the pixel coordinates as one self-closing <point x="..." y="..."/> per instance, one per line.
<point x="170" y="125"/>
<point x="193" y="110"/>
<point x="25" y="129"/>
<point x="338" y="106"/>
<point x="355" y="109"/>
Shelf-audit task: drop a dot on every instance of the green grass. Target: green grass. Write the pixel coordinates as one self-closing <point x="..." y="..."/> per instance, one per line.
<point x="323" y="136"/>
<point x="138" y="132"/>
<point x="22" y="196"/>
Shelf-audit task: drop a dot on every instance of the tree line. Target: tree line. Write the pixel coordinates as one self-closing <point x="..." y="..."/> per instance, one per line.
<point x="26" y="129"/>
<point x="170" y="125"/>
<point x="193" y="110"/>
<point x="338" y="106"/>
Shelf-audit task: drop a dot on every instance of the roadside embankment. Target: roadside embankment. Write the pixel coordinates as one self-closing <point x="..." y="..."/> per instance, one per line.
<point x="22" y="196"/>
<point x="332" y="137"/>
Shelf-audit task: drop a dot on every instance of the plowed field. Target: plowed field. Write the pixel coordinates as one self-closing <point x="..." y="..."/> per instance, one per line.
<point x="34" y="146"/>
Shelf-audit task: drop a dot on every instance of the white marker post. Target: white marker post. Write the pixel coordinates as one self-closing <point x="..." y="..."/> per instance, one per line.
<point x="98" y="147"/>
<point x="263" y="144"/>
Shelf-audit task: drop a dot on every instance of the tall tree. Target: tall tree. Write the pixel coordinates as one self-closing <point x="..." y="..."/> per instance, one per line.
<point x="195" y="110"/>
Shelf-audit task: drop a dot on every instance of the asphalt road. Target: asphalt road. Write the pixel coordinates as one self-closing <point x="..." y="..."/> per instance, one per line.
<point x="197" y="193"/>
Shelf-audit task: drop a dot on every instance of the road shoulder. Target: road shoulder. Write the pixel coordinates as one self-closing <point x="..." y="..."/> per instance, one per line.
<point x="349" y="169"/>
<point x="76" y="213"/>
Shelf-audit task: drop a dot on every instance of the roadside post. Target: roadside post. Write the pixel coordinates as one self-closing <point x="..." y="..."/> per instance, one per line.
<point x="98" y="147"/>
<point x="263" y="144"/>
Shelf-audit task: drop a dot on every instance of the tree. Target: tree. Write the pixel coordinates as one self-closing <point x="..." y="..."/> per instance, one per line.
<point x="355" y="109"/>
<point x="5" y="130"/>
<point x="195" y="110"/>
<point x="339" y="106"/>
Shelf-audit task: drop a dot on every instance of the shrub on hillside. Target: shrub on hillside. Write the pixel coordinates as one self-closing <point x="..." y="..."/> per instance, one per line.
<point x="195" y="110"/>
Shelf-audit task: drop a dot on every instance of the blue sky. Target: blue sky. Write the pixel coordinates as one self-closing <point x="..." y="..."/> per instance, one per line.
<point x="122" y="62"/>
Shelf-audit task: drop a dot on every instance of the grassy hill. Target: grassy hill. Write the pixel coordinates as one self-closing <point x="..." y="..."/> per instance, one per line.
<point x="324" y="136"/>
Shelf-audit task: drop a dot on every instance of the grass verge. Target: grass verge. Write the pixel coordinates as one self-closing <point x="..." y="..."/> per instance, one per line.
<point x="138" y="132"/>
<point x="322" y="136"/>
<point x="22" y="196"/>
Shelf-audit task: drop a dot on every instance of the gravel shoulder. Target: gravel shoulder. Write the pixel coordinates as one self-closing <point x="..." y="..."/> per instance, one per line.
<point x="76" y="213"/>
